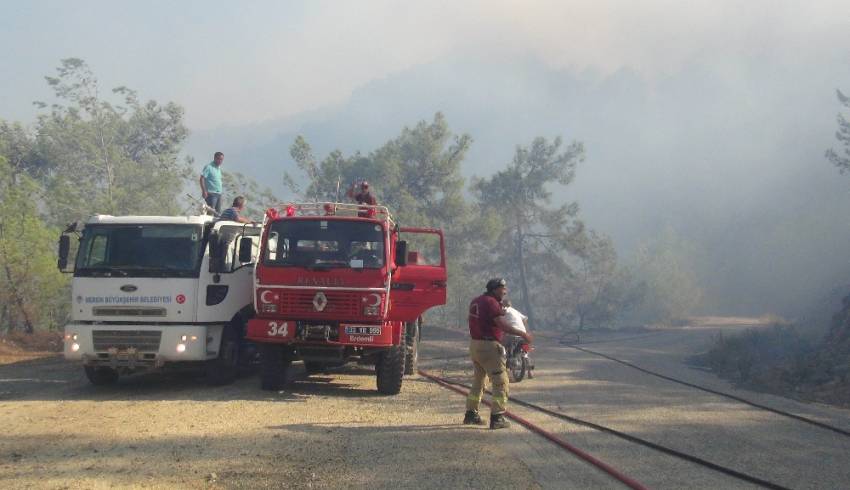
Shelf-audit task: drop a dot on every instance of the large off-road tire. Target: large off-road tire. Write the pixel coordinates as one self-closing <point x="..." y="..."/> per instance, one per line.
<point x="224" y="369"/>
<point x="411" y="344"/>
<point x="100" y="376"/>
<point x="274" y="367"/>
<point x="389" y="370"/>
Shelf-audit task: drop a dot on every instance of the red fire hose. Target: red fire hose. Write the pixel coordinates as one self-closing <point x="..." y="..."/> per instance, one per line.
<point x="631" y="483"/>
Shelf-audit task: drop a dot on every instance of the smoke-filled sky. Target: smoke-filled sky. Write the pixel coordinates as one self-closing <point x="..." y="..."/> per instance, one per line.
<point x="709" y="118"/>
<point x="232" y="63"/>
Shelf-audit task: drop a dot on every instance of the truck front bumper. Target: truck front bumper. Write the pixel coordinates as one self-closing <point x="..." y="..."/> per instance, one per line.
<point x="142" y="346"/>
<point x="294" y="332"/>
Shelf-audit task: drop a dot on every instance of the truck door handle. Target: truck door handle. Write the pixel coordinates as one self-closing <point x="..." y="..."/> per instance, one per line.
<point x="438" y="284"/>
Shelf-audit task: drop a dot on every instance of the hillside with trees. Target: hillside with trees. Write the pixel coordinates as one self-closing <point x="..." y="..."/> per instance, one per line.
<point x="107" y="152"/>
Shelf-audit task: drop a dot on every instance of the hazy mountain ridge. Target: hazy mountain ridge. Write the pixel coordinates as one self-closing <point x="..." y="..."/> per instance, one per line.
<point x="719" y="155"/>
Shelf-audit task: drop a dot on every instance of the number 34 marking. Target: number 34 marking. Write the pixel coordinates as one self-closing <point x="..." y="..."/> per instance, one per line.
<point x="276" y="330"/>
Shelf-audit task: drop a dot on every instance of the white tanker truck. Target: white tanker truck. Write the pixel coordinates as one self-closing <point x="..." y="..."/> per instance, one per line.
<point x="153" y="292"/>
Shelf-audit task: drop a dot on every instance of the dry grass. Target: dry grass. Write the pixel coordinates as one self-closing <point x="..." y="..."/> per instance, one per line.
<point x="780" y="360"/>
<point x="19" y="346"/>
<point x="735" y="321"/>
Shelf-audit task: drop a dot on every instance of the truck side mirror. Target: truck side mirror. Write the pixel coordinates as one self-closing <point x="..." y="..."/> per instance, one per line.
<point x="64" y="248"/>
<point x="245" y="248"/>
<point x="401" y="253"/>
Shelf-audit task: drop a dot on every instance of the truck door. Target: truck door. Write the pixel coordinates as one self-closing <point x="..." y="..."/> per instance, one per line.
<point x="226" y="286"/>
<point x="421" y="283"/>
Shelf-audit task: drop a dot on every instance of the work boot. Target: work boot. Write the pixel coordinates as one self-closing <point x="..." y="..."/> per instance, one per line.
<point x="498" y="421"/>
<point x="472" y="418"/>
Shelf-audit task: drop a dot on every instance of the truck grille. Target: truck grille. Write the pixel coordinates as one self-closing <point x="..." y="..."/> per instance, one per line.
<point x="141" y="340"/>
<point x="127" y="311"/>
<point x="340" y="304"/>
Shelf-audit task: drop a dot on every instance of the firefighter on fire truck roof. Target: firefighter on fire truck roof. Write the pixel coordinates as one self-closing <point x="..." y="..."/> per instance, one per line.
<point x="365" y="196"/>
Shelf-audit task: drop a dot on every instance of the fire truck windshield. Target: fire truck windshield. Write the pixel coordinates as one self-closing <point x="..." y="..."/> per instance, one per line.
<point x="140" y="250"/>
<point x="321" y="244"/>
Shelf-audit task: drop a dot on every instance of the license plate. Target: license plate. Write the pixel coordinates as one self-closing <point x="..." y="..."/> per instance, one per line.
<point x="362" y="330"/>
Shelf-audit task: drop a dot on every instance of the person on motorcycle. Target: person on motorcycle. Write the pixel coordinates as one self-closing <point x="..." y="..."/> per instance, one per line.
<point x="518" y="320"/>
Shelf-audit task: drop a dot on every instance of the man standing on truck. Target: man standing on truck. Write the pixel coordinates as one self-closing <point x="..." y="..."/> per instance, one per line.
<point x="362" y="197"/>
<point x="487" y="323"/>
<point x="211" y="182"/>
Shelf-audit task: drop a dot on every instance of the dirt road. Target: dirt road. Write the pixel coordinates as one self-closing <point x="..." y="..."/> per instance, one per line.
<point x="328" y="432"/>
<point x="334" y="430"/>
<point x="765" y="445"/>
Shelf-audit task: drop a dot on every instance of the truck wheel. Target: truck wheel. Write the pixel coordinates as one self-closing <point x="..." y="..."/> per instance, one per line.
<point x="314" y="367"/>
<point x="223" y="369"/>
<point x="411" y="341"/>
<point x="100" y="376"/>
<point x="390" y="370"/>
<point x="274" y="369"/>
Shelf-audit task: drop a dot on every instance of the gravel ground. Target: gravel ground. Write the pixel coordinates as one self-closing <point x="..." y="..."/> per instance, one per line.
<point x="334" y="430"/>
<point x="327" y="431"/>
<point x="774" y="448"/>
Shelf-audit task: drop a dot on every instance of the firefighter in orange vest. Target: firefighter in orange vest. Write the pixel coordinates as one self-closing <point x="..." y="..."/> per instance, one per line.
<point x="487" y="323"/>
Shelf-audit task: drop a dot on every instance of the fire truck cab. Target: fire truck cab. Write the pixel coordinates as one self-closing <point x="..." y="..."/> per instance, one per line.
<point x="336" y="283"/>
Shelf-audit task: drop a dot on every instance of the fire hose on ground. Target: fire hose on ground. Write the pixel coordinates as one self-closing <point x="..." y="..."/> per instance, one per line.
<point x="608" y="469"/>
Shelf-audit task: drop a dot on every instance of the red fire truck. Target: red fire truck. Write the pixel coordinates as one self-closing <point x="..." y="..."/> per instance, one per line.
<point x="336" y="283"/>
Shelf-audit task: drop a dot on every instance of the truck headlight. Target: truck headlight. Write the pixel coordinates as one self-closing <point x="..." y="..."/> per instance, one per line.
<point x="75" y="347"/>
<point x="181" y="348"/>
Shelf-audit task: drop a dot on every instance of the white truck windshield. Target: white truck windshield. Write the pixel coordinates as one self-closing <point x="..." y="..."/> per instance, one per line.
<point x="140" y="250"/>
<point x="325" y="244"/>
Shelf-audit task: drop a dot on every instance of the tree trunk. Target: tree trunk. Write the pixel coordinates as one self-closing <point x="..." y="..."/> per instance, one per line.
<point x="19" y="302"/>
<point x="15" y="291"/>
<point x="526" y="299"/>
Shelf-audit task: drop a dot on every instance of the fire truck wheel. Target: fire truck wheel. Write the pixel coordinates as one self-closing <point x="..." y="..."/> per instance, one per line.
<point x="411" y="341"/>
<point x="274" y="369"/>
<point x="390" y="370"/>
<point x="100" y="376"/>
<point x="314" y="367"/>
<point x="224" y="369"/>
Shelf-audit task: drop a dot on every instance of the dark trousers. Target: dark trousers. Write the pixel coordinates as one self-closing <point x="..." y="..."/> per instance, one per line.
<point x="214" y="201"/>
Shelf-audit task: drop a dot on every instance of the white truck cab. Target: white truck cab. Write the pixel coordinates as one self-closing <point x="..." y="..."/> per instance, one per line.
<point x="156" y="291"/>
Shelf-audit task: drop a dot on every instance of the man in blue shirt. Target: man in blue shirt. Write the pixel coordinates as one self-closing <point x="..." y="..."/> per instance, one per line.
<point x="235" y="213"/>
<point x="211" y="182"/>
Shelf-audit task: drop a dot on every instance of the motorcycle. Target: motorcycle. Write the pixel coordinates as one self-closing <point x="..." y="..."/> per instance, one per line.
<point x="518" y="360"/>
